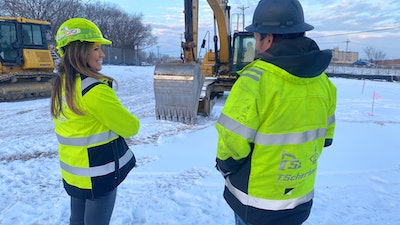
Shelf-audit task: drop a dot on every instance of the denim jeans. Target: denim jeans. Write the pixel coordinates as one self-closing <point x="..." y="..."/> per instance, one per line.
<point x="239" y="221"/>
<point x="96" y="211"/>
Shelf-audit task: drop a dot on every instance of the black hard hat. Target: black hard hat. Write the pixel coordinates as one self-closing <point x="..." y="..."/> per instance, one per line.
<point x="279" y="17"/>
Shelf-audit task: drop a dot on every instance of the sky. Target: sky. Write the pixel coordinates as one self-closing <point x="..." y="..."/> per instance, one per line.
<point x="350" y="25"/>
<point x="175" y="182"/>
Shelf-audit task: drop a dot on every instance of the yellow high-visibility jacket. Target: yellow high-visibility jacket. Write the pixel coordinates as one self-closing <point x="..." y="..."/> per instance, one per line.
<point x="94" y="156"/>
<point x="271" y="132"/>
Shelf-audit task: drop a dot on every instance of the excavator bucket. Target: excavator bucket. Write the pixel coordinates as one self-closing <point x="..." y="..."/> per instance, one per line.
<point x="177" y="88"/>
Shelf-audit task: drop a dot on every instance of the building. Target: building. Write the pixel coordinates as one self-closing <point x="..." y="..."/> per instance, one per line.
<point x="342" y="57"/>
<point x="395" y="63"/>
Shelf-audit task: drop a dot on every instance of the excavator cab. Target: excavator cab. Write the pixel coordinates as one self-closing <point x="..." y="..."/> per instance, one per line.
<point x="243" y="50"/>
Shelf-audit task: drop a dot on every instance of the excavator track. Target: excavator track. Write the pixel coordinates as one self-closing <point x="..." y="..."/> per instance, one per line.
<point x="21" y="86"/>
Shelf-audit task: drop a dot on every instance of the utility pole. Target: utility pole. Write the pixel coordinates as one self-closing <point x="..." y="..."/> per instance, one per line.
<point x="237" y="21"/>
<point x="347" y="49"/>
<point x="243" y="8"/>
<point x="158" y="53"/>
<point x="135" y="47"/>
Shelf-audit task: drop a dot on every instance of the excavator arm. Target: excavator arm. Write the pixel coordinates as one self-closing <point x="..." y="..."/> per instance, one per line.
<point x="189" y="47"/>
<point x="222" y="13"/>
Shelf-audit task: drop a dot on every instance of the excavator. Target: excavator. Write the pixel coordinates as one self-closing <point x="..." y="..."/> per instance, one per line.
<point x="189" y="88"/>
<point x="27" y="61"/>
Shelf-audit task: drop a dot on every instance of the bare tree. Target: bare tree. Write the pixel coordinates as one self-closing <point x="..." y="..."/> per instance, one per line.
<point x="137" y="34"/>
<point x="46" y="10"/>
<point x="126" y="31"/>
<point x="374" y="54"/>
<point x="53" y="11"/>
<point x="108" y="17"/>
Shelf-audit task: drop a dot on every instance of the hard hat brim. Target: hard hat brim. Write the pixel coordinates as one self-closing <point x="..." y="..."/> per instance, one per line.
<point x="280" y="30"/>
<point x="103" y="41"/>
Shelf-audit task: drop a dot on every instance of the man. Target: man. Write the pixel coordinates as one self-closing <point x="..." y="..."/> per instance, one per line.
<point x="250" y="52"/>
<point x="276" y="120"/>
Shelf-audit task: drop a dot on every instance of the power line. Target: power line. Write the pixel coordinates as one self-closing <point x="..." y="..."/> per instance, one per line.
<point x="359" y="32"/>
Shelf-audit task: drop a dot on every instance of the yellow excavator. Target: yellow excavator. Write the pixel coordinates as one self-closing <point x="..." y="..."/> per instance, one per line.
<point x="26" y="60"/>
<point x="185" y="89"/>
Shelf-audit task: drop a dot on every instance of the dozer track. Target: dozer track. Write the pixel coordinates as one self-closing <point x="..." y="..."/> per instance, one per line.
<point x="177" y="88"/>
<point x="22" y="86"/>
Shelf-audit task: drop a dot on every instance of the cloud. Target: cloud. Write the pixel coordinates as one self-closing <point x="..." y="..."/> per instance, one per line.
<point x="329" y="17"/>
<point x="355" y="15"/>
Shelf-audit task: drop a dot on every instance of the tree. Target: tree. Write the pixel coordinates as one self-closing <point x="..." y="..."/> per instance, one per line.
<point x="152" y="58"/>
<point x="124" y="30"/>
<point x="107" y="17"/>
<point x="374" y="54"/>
<point x="54" y="11"/>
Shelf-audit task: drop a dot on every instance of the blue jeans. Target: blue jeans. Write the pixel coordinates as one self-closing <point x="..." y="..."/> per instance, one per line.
<point x="96" y="211"/>
<point x="239" y="221"/>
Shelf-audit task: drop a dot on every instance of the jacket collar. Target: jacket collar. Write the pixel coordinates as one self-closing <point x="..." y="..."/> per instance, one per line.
<point x="299" y="56"/>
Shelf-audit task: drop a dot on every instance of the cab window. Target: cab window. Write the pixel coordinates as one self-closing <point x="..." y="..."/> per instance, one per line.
<point x="8" y="37"/>
<point x="31" y="34"/>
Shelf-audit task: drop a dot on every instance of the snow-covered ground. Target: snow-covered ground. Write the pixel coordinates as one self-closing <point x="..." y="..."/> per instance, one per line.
<point x="175" y="182"/>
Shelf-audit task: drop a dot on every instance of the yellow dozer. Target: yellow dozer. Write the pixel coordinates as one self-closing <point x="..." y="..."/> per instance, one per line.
<point x="185" y="89"/>
<point x="26" y="60"/>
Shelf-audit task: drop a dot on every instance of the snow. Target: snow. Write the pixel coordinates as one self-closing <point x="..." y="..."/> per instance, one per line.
<point x="175" y="183"/>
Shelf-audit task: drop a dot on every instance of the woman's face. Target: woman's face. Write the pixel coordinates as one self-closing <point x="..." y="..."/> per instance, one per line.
<point x="95" y="57"/>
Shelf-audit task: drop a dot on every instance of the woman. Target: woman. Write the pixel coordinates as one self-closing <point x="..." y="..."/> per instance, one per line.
<point x="90" y="124"/>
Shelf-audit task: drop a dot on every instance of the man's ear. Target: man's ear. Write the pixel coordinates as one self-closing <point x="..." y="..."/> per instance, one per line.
<point x="266" y="43"/>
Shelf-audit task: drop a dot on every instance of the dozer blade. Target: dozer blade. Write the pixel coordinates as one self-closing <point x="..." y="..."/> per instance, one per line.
<point x="177" y="88"/>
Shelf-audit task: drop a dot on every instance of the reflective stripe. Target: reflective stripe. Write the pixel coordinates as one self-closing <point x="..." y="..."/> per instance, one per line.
<point x="272" y="139"/>
<point x="331" y="120"/>
<point x="236" y="127"/>
<point x="290" y="138"/>
<point x="87" y="82"/>
<point x="252" y="76"/>
<point x="256" y="71"/>
<point x="267" y="204"/>
<point x="96" y="171"/>
<point x="85" y="141"/>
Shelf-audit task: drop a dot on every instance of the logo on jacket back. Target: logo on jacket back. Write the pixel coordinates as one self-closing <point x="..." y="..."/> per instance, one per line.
<point x="314" y="157"/>
<point x="289" y="162"/>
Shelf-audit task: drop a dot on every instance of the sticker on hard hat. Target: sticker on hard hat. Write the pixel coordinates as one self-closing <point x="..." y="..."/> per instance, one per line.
<point x="67" y="32"/>
<point x="72" y="32"/>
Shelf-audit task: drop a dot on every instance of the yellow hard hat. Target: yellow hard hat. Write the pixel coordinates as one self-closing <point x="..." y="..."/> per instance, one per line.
<point x="78" y="29"/>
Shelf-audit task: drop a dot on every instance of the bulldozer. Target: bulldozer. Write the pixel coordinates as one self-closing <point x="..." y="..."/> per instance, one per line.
<point x="27" y="60"/>
<point x="190" y="87"/>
